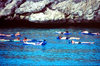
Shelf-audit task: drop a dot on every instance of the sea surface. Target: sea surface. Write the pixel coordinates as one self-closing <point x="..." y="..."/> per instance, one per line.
<point x="55" y="52"/>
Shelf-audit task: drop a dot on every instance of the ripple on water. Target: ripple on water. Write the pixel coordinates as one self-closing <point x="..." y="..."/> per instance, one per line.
<point x="56" y="52"/>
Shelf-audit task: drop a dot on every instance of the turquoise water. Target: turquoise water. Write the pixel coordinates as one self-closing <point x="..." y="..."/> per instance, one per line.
<point x="56" y="52"/>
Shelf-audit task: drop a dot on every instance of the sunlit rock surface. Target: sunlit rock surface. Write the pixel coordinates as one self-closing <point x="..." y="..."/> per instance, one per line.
<point x="44" y="10"/>
<point x="84" y="9"/>
<point x="30" y="6"/>
<point x="47" y="15"/>
<point x="10" y="7"/>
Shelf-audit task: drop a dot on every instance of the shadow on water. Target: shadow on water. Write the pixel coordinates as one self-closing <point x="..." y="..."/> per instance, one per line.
<point x="47" y="24"/>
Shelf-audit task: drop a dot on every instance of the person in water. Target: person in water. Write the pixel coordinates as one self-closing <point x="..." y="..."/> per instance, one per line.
<point x="67" y="38"/>
<point x="91" y="33"/>
<point x="44" y="42"/>
<point x="85" y="31"/>
<point x="25" y="39"/>
<point x="4" y="40"/>
<point x="59" y="37"/>
<point x="6" y="35"/>
<point x="67" y="31"/>
<point x="96" y="33"/>
<point x="17" y="39"/>
<point x="62" y="32"/>
<point x="73" y="42"/>
<point x="17" y="34"/>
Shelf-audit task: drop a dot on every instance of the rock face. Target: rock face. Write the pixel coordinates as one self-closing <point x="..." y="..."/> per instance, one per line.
<point x="84" y="9"/>
<point x="30" y="6"/>
<point x="44" y="10"/>
<point x="47" y="15"/>
<point x="9" y="8"/>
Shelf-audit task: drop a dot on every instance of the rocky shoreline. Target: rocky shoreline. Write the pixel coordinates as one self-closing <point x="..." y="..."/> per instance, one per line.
<point x="47" y="13"/>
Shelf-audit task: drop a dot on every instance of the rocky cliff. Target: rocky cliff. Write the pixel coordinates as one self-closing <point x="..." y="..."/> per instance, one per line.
<point x="44" y="10"/>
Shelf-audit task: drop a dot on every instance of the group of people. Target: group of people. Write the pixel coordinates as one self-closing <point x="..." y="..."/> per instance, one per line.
<point x="10" y="35"/>
<point x="76" y="38"/>
<point x="16" y="35"/>
<point x="59" y="37"/>
<point x="18" y="39"/>
<point x="24" y="40"/>
<point x="65" y="32"/>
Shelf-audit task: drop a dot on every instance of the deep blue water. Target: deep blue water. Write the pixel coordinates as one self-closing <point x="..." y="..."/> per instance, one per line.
<point x="56" y="52"/>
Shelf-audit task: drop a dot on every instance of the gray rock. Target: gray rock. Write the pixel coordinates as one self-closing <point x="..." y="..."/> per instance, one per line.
<point x="30" y="6"/>
<point x="9" y="8"/>
<point x="76" y="10"/>
<point x="47" y="15"/>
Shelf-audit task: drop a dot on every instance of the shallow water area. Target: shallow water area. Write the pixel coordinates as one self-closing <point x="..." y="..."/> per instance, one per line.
<point x="55" y="52"/>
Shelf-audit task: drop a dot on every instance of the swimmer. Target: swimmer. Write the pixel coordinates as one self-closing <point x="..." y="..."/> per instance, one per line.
<point x="96" y="33"/>
<point x="68" y="38"/>
<point x="25" y="39"/>
<point x="84" y="32"/>
<point x="73" y="42"/>
<point x="4" y="40"/>
<point x="5" y="35"/>
<point x="18" y="39"/>
<point x="17" y="34"/>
